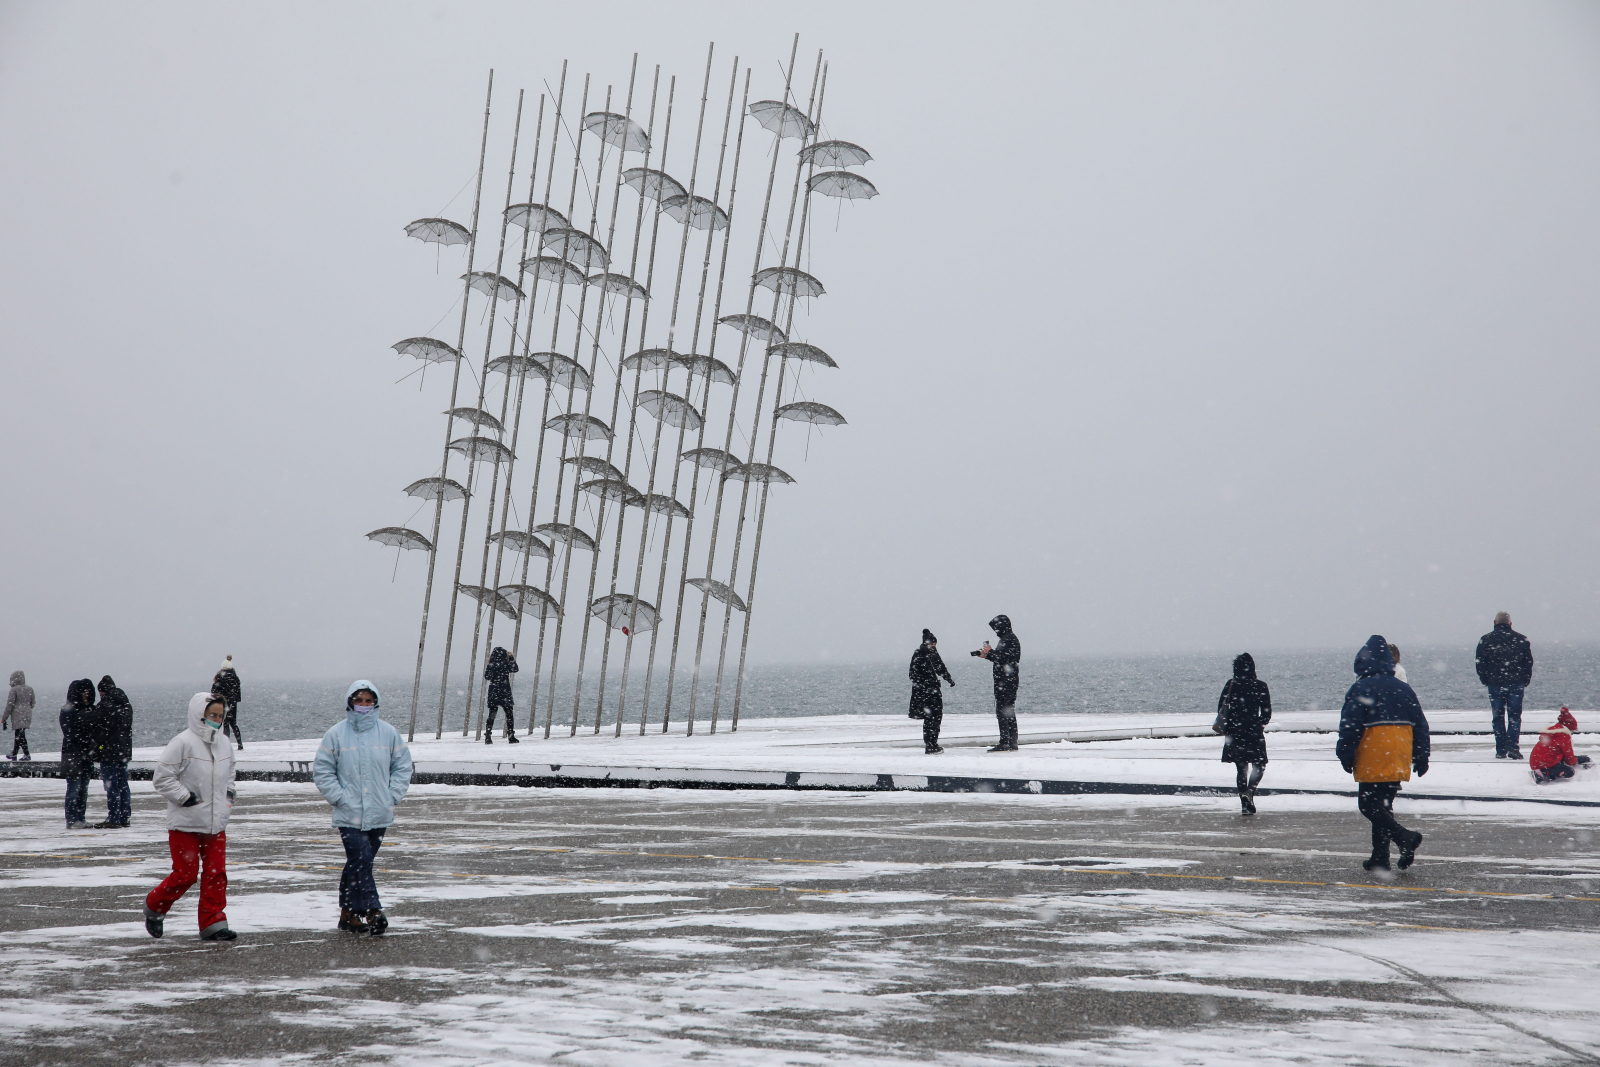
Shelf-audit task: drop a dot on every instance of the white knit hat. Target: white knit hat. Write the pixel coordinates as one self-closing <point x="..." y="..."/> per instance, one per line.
<point x="227" y="664"/>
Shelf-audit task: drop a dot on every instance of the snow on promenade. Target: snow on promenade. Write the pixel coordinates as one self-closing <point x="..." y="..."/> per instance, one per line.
<point x="1061" y="748"/>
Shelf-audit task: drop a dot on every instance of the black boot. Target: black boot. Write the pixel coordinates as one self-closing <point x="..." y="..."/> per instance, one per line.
<point x="1408" y="850"/>
<point x="1379" y="861"/>
<point x="1247" y="802"/>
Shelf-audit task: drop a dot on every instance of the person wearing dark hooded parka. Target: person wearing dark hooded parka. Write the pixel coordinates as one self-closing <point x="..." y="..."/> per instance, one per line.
<point x="77" y="749"/>
<point x="114" y="748"/>
<point x="497" y="671"/>
<point x="1243" y="711"/>
<point x="927" y="702"/>
<point x="1007" y="660"/>
<point x="1383" y="737"/>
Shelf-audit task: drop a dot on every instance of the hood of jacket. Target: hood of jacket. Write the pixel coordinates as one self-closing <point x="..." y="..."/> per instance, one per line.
<point x="1374" y="658"/>
<point x="18" y="678"/>
<point x="1000" y="624"/>
<point x="197" y="715"/>
<point x="1244" y="667"/>
<point x="370" y="719"/>
<point x="80" y="694"/>
<point x="497" y="658"/>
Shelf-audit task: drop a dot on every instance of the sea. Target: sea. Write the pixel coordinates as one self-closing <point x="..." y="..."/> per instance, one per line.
<point x="1152" y="685"/>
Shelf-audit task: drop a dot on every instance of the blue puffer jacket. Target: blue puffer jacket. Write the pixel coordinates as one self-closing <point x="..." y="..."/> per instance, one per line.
<point x="1380" y="699"/>
<point x="362" y="767"/>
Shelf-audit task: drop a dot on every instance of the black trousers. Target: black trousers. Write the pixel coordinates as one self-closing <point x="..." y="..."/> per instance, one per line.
<point x="230" y="723"/>
<point x="20" y="741"/>
<point x="1248" y="775"/>
<point x="495" y="704"/>
<point x="1006" y="716"/>
<point x="929" y="707"/>
<point x="1375" y="800"/>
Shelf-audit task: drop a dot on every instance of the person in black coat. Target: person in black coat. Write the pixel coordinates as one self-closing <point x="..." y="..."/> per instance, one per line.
<point x="1243" y="711"/>
<point x="77" y="749"/>
<point x="1007" y="660"/>
<point x="927" y="702"/>
<point x="225" y="684"/>
<point x="113" y="740"/>
<point x="1505" y="667"/>
<point x="497" y="671"/>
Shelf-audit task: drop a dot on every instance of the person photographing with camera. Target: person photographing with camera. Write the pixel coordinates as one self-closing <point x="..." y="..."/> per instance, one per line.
<point x="1006" y="658"/>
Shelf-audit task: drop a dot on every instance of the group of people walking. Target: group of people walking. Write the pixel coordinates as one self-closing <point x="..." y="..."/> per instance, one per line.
<point x="1383" y="733"/>
<point x="362" y="769"/>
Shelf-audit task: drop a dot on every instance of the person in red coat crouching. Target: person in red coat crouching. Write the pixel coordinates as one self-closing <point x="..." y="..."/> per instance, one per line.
<point x="1553" y="757"/>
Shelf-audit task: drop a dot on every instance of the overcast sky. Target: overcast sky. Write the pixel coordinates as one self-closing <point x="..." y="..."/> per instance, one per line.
<point x="1175" y="327"/>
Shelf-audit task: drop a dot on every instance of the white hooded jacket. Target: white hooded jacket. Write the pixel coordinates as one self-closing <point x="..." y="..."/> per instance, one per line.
<point x="198" y="762"/>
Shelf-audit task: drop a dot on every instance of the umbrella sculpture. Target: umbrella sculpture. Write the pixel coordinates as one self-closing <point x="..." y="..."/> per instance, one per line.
<point x="576" y="265"/>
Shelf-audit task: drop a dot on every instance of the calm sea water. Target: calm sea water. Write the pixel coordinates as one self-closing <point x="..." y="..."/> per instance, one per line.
<point x="1150" y="685"/>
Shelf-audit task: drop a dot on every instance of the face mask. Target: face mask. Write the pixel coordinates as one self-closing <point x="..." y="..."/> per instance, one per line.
<point x="363" y="709"/>
<point x="213" y="725"/>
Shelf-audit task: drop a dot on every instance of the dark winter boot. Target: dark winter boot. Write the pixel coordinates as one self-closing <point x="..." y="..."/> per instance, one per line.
<point x="155" y="923"/>
<point x="1408" y="850"/>
<point x="356" y="924"/>
<point x="1247" y="802"/>
<point x="218" y="932"/>
<point x="377" y="921"/>
<point x="1378" y="862"/>
<point x="511" y="738"/>
<point x="488" y="738"/>
<point x="936" y="749"/>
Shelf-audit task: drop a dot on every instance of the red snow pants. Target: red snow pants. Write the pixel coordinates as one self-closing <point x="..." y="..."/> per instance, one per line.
<point x="189" y="851"/>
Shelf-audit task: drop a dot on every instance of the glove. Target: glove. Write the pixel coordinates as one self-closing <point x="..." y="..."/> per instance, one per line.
<point x="1349" y="768"/>
<point x="232" y="796"/>
<point x="1420" y="766"/>
<point x="194" y="798"/>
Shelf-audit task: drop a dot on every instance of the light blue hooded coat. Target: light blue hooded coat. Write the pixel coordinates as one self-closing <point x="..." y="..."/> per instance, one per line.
<point x="362" y="768"/>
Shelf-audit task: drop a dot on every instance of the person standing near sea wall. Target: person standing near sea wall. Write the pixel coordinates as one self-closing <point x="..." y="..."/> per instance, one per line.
<point x="1007" y="660"/>
<point x="226" y="685"/>
<point x="113" y="738"/>
<point x="927" y="701"/>
<point x="18" y="715"/>
<point x="1243" y="711"/>
<point x="1505" y="667"/>
<point x="77" y="749"/>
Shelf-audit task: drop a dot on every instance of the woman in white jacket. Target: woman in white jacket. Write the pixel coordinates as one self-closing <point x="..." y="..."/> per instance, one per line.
<point x="195" y="775"/>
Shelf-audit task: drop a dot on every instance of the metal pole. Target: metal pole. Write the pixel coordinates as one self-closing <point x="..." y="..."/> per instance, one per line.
<point x="449" y="425"/>
<point x="766" y="362"/>
<point x="483" y="388"/>
<point x="588" y="403"/>
<point x="772" y="439"/>
<point x="472" y="466"/>
<point x="616" y="401"/>
<point x="655" y="448"/>
<point x="711" y="351"/>
<point x="561" y="469"/>
<point x="633" y="410"/>
<point x="516" y="425"/>
<point x="733" y="408"/>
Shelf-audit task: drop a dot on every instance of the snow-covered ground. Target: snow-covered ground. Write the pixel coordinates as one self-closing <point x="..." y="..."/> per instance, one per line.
<point x="610" y="926"/>
<point x="1463" y="761"/>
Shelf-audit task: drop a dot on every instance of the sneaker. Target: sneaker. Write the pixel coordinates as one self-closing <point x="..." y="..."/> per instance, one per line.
<point x="218" y="931"/>
<point x="1408" y="852"/>
<point x="934" y="751"/>
<point x="11" y="756"/>
<point x="356" y="924"/>
<point x="155" y="923"/>
<point x="25" y="758"/>
<point x="1499" y="755"/>
<point x="377" y="921"/>
<point x="79" y="825"/>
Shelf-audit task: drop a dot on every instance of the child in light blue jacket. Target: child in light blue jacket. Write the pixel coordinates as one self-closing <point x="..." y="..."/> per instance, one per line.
<point x="362" y="768"/>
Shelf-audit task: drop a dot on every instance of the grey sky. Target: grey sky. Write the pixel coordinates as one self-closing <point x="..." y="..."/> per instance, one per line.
<point x="1175" y="327"/>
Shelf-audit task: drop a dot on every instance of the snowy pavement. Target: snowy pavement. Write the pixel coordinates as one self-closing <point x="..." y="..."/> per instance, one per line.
<point x="856" y="751"/>
<point x="643" y="927"/>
